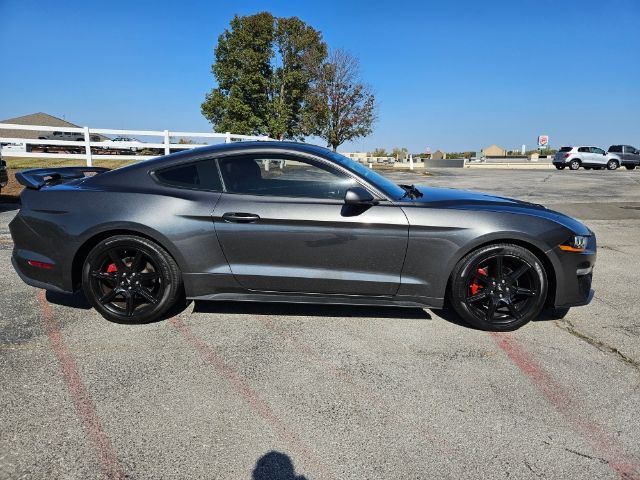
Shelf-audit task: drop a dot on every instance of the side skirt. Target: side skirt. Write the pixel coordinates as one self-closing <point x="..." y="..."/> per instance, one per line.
<point x="408" y="302"/>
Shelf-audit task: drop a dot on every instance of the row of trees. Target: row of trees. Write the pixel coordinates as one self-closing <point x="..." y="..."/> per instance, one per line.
<point x="397" y="152"/>
<point x="276" y="77"/>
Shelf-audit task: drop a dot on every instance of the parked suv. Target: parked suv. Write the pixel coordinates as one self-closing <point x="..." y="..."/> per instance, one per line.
<point x="587" y="157"/>
<point x="4" y="179"/>
<point x="73" y="136"/>
<point x="629" y="156"/>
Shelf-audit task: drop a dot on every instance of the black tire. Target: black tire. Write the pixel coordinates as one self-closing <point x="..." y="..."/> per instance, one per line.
<point x="630" y="167"/>
<point x="498" y="287"/>
<point x="612" y="165"/>
<point x="129" y="279"/>
<point x="587" y="168"/>
<point x="574" y="165"/>
<point x="560" y="167"/>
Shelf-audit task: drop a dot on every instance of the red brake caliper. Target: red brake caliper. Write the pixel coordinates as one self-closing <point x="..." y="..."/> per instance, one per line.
<point x="475" y="286"/>
<point x="112" y="268"/>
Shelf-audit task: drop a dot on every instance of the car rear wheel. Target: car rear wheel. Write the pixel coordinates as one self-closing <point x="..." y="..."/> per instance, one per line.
<point x="587" y="168"/>
<point x="499" y="287"/>
<point x="130" y="279"/>
<point x="612" y="165"/>
<point x="630" y="167"/>
<point x="560" y="167"/>
<point x="574" y="165"/>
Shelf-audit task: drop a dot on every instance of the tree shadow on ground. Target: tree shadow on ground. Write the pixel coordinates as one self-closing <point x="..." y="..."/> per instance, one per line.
<point x="275" y="466"/>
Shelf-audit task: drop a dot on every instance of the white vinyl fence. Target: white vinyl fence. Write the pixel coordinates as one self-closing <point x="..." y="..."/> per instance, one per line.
<point x="21" y="147"/>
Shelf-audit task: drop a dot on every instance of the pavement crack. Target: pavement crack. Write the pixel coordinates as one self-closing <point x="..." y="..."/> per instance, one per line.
<point x="580" y="454"/>
<point x="528" y="465"/>
<point x="567" y="326"/>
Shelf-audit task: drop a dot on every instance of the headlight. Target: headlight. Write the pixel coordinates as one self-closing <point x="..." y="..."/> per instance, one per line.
<point x="578" y="243"/>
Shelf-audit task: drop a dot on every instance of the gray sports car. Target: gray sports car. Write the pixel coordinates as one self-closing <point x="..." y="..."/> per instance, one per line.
<point x="290" y="222"/>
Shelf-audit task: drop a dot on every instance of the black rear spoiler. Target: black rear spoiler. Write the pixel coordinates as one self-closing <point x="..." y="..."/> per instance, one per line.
<point x="38" y="177"/>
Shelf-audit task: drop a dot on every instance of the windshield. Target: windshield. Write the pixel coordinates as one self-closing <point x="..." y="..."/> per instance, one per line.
<point x="392" y="190"/>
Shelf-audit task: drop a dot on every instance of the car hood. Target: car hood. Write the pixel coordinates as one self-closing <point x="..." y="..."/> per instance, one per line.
<point x="466" y="200"/>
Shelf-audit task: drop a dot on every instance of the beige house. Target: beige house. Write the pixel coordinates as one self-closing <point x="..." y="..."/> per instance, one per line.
<point x="357" y="156"/>
<point x="494" y="151"/>
<point x="439" y="155"/>
<point x="39" y="118"/>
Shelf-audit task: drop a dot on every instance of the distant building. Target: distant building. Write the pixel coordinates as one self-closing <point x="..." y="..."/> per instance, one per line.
<point x="439" y="155"/>
<point x="357" y="156"/>
<point x="39" y="118"/>
<point x="494" y="151"/>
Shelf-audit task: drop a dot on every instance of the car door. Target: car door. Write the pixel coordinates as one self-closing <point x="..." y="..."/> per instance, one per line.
<point x="283" y="226"/>
<point x="632" y="155"/>
<point x="598" y="156"/>
<point x="584" y="153"/>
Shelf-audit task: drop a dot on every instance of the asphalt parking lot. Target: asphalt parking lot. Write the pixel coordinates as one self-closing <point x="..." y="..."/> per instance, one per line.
<point x="265" y="391"/>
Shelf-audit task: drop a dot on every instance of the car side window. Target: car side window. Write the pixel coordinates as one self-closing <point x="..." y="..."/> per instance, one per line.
<point x="200" y="175"/>
<point x="283" y="176"/>
<point x="584" y="149"/>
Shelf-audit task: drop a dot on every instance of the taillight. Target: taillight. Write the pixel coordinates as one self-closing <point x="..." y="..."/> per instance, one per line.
<point x="37" y="264"/>
<point x="565" y="155"/>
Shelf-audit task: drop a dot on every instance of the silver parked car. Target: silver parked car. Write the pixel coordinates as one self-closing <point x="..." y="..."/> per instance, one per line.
<point x="587" y="157"/>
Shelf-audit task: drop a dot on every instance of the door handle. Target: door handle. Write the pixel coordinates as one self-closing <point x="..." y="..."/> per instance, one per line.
<point x="239" y="217"/>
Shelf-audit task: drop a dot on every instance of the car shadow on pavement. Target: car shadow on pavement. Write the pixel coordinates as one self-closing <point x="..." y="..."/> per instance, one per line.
<point x="7" y="205"/>
<point x="73" y="300"/>
<point x="79" y="301"/>
<point x="275" y="466"/>
<point x="548" y="314"/>
<point x="309" y="310"/>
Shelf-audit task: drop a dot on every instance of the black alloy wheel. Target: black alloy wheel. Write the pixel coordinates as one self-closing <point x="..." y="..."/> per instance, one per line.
<point x="129" y="279"/>
<point x="499" y="287"/>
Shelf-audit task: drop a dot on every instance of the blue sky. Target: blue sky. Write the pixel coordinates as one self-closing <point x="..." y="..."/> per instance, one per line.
<point x="454" y="75"/>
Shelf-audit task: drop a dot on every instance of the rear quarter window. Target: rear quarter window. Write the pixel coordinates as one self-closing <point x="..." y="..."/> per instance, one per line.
<point x="202" y="175"/>
<point x="565" y="149"/>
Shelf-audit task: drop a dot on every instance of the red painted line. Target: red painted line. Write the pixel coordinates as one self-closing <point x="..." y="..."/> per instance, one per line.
<point x="249" y="395"/>
<point x="560" y="398"/>
<point x="80" y="395"/>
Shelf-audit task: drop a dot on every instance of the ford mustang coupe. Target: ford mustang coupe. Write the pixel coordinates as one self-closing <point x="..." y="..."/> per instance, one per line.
<point x="291" y="222"/>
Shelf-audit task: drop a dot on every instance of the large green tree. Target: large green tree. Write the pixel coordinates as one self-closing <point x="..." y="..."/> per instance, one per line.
<point x="341" y="106"/>
<point x="264" y="68"/>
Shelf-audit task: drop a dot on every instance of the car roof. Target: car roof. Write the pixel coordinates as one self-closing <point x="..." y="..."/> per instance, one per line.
<point x="204" y="151"/>
<point x="236" y="146"/>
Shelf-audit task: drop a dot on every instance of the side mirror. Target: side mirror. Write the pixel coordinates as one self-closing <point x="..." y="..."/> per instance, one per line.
<point x="359" y="196"/>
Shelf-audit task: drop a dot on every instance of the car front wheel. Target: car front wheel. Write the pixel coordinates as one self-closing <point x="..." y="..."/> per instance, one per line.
<point x="612" y="165"/>
<point x="130" y="279"/>
<point x="499" y="287"/>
